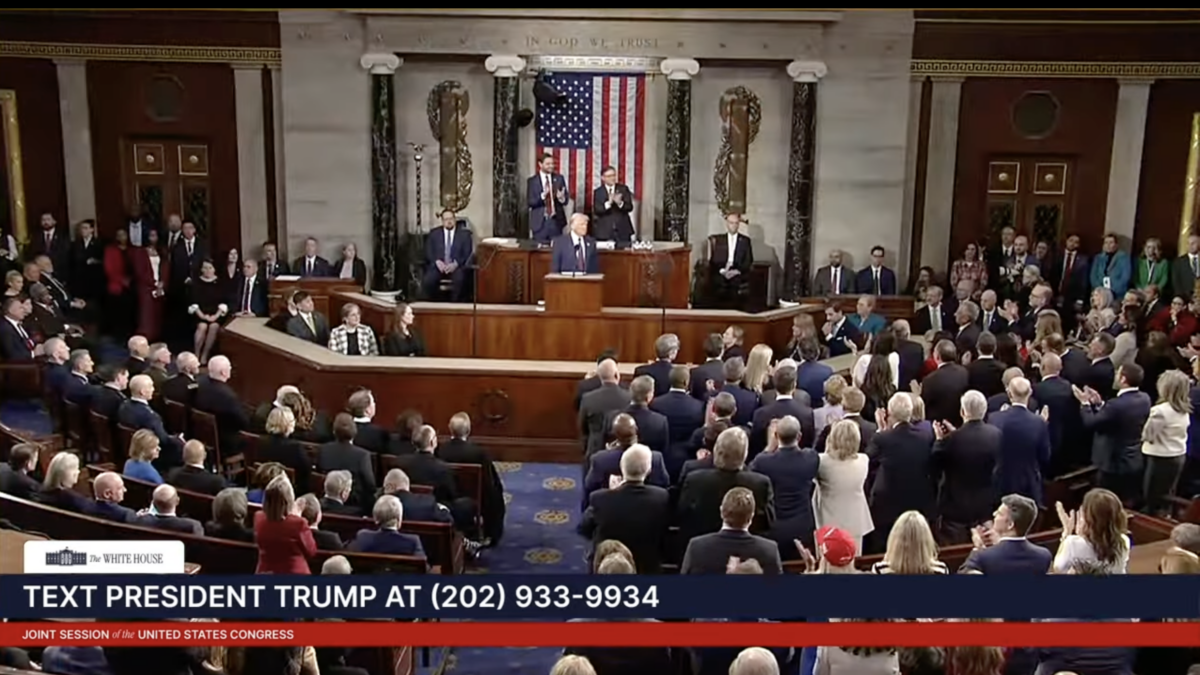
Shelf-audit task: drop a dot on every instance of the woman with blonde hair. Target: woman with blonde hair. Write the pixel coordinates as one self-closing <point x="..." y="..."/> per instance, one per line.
<point x="911" y="548"/>
<point x="263" y="475"/>
<point x="831" y="411"/>
<point x="573" y="665"/>
<point x="608" y="548"/>
<point x="58" y="488"/>
<point x="758" y="368"/>
<point x="143" y="449"/>
<point x="1095" y="534"/>
<point x="1165" y="440"/>
<point x="804" y="327"/>
<point x="1048" y="323"/>
<point x="840" y="499"/>
<point x="285" y="542"/>
<point x="279" y="446"/>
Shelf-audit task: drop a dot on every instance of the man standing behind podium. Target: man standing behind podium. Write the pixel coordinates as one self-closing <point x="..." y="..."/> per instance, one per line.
<point x="613" y="202"/>
<point x="547" y="200"/>
<point x="575" y="252"/>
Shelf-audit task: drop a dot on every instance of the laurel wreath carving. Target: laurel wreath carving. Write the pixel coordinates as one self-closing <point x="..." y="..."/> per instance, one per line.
<point x="725" y="152"/>
<point x="461" y="195"/>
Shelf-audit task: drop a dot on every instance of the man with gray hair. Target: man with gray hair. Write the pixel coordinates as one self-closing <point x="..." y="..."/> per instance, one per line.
<point x="653" y="430"/>
<point x="216" y="397"/>
<point x="700" y="495"/>
<point x="792" y="468"/>
<point x="596" y="406"/>
<point x="755" y="661"/>
<point x="387" y="538"/>
<point x="460" y="450"/>
<point x="336" y="565"/>
<point x="419" y="506"/>
<point x="109" y="489"/>
<point x="666" y="348"/>
<point x="630" y="511"/>
<point x="310" y="511"/>
<point x="425" y="468"/>
<point x="1054" y="395"/>
<point x="911" y="352"/>
<point x="139" y="348"/>
<point x="338" y="486"/>
<point x="965" y="458"/>
<point x="734" y="372"/>
<point x="942" y="389"/>
<point x="157" y="364"/>
<point x="903" y="450"/>
<point x="182" y="386"/>
<point x="1024" y="446"/>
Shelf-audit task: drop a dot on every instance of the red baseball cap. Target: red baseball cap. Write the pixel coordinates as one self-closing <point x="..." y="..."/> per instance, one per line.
<point x="836" y="545"/>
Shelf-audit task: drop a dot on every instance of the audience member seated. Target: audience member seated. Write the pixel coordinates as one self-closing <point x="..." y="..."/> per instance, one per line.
<point x="193" y="476"/>
<point x="16" y="476"/>
<point x="418" y="506"/>
<point x="58" y="488"/>
<point x="77" y="387"/>
<point x="16" y="343"/>
<point x="279" y="447"/>
<point x="285" y="542"/>
<point x="182" y="386"/>
<point x="207" y="295"/>
<point x="310" y="511"/>
<point x="143" y="449"/>
<point x="840" y="499"/>
<point x="312" y="426"/>
<point x="229" y="510"/>
<point x="911" y="548"/>
<point x="107" y="398"/>
<point x="338" y="488"/>
<point x="136" y="413"/>
<point x="448" y="253"/>
<point x="57" y="368"/>
<point x="1095" y="534"/>
<point x="700" y="495"/>
<point x="336" y="565"/>
<point x="387" y="537"/>
<point x="343" y="454"/>
<point x="403" y="340"/>
<point x="460" y="450"/>
<point x="370" y="436"/>
<point x="1003" y="548"/>
<point x="217" y="398"/>
<point x="606" y="464"/>
<point x="161" y="515"/>
<point x="263" y="475"/>
<point x="308" y="324"/>
<point x="710" y="553"/>
<point x="424" y="468"/>
<point x="792" y="470"/>
<point x="841" y="336"/>
<point x="281" y="320"/>
<point x="109" y="489"/>
<point x="157" y="365"/>
<point x="632" y="512"/>
<point x="353" y="337"/>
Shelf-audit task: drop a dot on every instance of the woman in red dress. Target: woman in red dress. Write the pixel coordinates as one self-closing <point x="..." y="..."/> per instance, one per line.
<point x="120" y="301"/>
<point x="149" y="280"/>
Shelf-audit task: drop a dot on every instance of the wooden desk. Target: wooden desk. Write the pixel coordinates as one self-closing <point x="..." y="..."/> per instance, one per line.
<point x="318" y="287"/>
<point x="659" y="278"/>
<point x="528" y="332"/>
<point x="520" y="410"/>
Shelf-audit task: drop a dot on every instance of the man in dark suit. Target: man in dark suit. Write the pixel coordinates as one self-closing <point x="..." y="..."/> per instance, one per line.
<point x="666" y="348"/>
<point x="193" y="477"/>
<point x="311" y="264"/>
<point x="339" y="487"/>
<point x="722" y="409"/>
<point x="182" y="386"/>
<point x="985" y="373"/>
<point x="308" y="324"/>
<point x="911" y="352"/>
<point x="784" y="405"/>
<point x="965" y="459"/>
<point x="387" y="539"/>
<point x="216" y="397"/>
<point x="811" y="374"/>
<point x="709" y="371"/>
<point x="109" y="489"/>
<point x="106" y="398"/>
<point x="1116" y="427"/>
<point x="839" y="333"/>
<point x="1185" y="269"/>
<point x="834" y="278"/>
<point x="418" y="506"/>
<point x="632" y="512"/>
<point x="184" y="259"/>
<point x="734" y="373"/>
<point x="163" y="503"/>
<point x="612" y="202"/>
<point x="1024" y="444"/>
<point x="595" y="406"/>
<point x="271" y="265"/>
<point x="16" y="343"/>
<point x="16" y="476"/>
<point x="607" y="462"/>
<point x="652" y="427"/>
<point x="935" y="315"/>
<point x="1101" y="374"/>
<point x="1064" y="422"/>
<point x="853" y="401"/>
<point x="710" y="553"/>
<point x="1004" y="549"/>
<point x="343" y="454"/>
<point x="460" y="450"/>
<point x="575" y="252"/>
<point x="900" y="457"/>
<point x="684" y="415"/>
<point x="136" y="413"/>
<point x="310" y="511"/>
<point x="424" y="468"/>
<point x="700" y="495"/>
<point x="448" y="252"/>
<point x="547" y="197"/>
<point x="86" y="264"/>
<point x="139" y="223"/>
<point x="730" y="257"/>
<point x="966" y="332"/>
<point x="51" y="241"/>
<point x="370" y="436"/>
<point x="944" y="387"/>
<point x="876" y="279"/>
<point x="592" y="381"/>
<point x="792" y="468"/>
<point x="249" y="293"/>
<point x="77" y="387"/>
<point x="991" y="319"/>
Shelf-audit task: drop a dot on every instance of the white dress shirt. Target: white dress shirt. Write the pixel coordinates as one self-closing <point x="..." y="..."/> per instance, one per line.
<point x="731" y="238"/>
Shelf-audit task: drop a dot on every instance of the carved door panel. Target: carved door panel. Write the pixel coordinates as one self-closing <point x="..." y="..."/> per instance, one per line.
<point x="1030" y="194"/>
<point x="166" y="176"/>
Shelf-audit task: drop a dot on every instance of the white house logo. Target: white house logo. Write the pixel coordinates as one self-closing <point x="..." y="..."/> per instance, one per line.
<point x="65" y="558"/>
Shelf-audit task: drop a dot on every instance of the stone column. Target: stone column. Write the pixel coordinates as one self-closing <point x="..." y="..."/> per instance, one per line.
<point x="904" y="262"/>
<point x="75" y="119"/>
<point x="391" y="267"/>
<point x="251" y="153"/>
<point x="677" y="159"/>
<point x="506" y="196"/>
<point x="940" y="161"/>
<point x="280" y="177"/>
<point x="801" y="177"/>
<point x="1125" y="168"/>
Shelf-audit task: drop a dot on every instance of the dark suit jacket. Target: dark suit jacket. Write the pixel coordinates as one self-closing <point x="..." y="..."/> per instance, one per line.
<point x="710" y="553"/>
<point x="77" y="389"/>
<point x="181" y="267"/>
<point x="424" y="468"/>
<point x="761" y="422"/>
<point x="13" y="347"/>
<point x="684" y="415"/>
<point x="836" y="341"/>
<point x="1183" y="281"/>
<point x="660" y="371"/>
<point x="1009" y="557"/>
<point x="864" y="281"/>
<point x="288" y="452"/>
<point x="866" y="431"/>
<point x="922" y="323"/>
<point x="793" y="473"/>
<point x="59" y="248"/>
<point x="1076" y="367"/>
<point x="196" y="479"/>
<point x="106" y="401"/>
<point x="422" y="507"/>
<point x="172" y="524"/>
<point x="711" y="369"/>
<point x="87" y="268"/>
<point x="1065" y="420"/>
<point x="387" y="542"/>
<point x="138" y="415"/>
<point x="1100" y="376"/>
<point x="296" y="327"/>
<point x="337" y="456"/>
<point x="718" y="254"/>
<point x="912" y="360"/>
<point x="565" y="257"/>
<point x="823" y="282"/>
<point x="653" y="430"/>
<point x="269" y="271"/>
<point x="461" y="248"/>
<point x="18" y="483"/>
<point x="219" y="399"/>
<point x="699" y="508"/>
<point x="1024" y="451"/>
<point x="901" y="459"/>
<point x="965" y="338"/>
<point x="594" y="408"/>
<point x="612" y="223"/>
<point x="493" y="508"/>
<point x="607" y="463"/>
<point x="113" y="512"/>
<point x="180" y="388"/>
<point x="326" y="540"/>
<point x="46" y="321"/>
<point x="636" y="515"/>
<point x="1077" y="284"/>
<point x="236" y="532"/>
<point x="1117" y="432"/>
<point x="543" y="227"/>
<point x="811" y="377"/>
<point x="964" y="463"/>
<point x="257" y="301"/>
<point x="746" y="399"/>
<point x="942" y="391"/>
<point x="996" y="324"/>
<point x="339" y="508"/>
<point x="986" y="375"/>
<point x="320" y="267"/>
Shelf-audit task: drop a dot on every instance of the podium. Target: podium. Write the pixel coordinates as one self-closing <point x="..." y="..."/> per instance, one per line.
<point x="320" y="288"/>
<point x="574" y="293"/>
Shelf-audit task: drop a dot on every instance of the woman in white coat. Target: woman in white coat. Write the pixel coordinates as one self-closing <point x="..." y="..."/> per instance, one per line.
<point x="840" y="499"/>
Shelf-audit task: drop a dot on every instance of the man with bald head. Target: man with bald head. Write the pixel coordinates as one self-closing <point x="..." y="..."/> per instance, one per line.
<point x="181" y="387"/>
<point x="575" y="252"/>
<point x="215" y="396"/>
<point x="596" y="406"/>
<point x="109" y="489"/>
<point x="161" y="514"/>
<point x="991" y="319"/>
<point x="834" y="278"/>
<point x="139" y="349"/>
<point x="1054" y="394"/>
<point x="194" y="475"/>
<point x="631" y="511"/>
<point x="606" y="463"/>
<point x="136" y="413"/>
<point x="1024" y="444"/>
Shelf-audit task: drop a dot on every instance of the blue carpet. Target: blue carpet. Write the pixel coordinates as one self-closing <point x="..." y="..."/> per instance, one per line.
<point x="539" y="538"/>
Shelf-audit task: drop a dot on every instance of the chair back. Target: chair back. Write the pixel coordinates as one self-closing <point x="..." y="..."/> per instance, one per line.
<point x="176" y="417"/>
<point x="125" y="437"/>
<point x="76" y="423"/>
<point x="204" y="429"/>
<point x="102" y="431"/>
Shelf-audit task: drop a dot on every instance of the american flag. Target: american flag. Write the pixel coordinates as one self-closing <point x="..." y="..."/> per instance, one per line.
<point x="602" y="122"/>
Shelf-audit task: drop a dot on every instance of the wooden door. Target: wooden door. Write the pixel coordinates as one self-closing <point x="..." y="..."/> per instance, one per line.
<point x="1032" y="195"/>
<point x="168" y="176"/>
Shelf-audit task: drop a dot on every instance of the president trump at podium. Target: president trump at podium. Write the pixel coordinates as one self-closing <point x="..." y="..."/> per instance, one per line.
<point x="575" y="252"/>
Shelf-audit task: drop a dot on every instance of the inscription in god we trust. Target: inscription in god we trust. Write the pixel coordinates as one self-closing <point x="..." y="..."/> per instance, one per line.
<point x="631" y="43"/>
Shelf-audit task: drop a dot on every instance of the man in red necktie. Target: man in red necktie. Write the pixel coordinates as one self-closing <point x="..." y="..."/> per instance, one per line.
<point x="575" y="251"/>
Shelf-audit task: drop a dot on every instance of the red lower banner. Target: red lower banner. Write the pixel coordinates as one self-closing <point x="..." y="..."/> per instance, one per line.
<point x="592" y="634"/>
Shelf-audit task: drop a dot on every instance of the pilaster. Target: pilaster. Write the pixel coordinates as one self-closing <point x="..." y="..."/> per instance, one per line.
<point x="75" y="121"/>
<point x="391" y="271"/>
<point x="677" y="158"/>
<point x="506" y="202"/>
<point x="940" y="162"/>
<point x="801" y="177"/>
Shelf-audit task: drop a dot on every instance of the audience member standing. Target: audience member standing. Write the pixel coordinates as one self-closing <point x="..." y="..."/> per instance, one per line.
<point x="965" y="459"/>
<point x="285" y="542"/>
<point x="840" y="500"/>
<point x="901" y="451"/>
<point x="710" y="553"/>
<point x="1164" y="440"/>
<point x="1024" y="445"/>
<point x="792" y="467"/>
<point x="943" y="388"/>
<point x="1116" y="428"/>
<point x="1003" y="548"/>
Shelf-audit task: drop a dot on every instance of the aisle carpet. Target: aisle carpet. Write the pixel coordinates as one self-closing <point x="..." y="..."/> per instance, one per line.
<point x="539" y="538"/>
